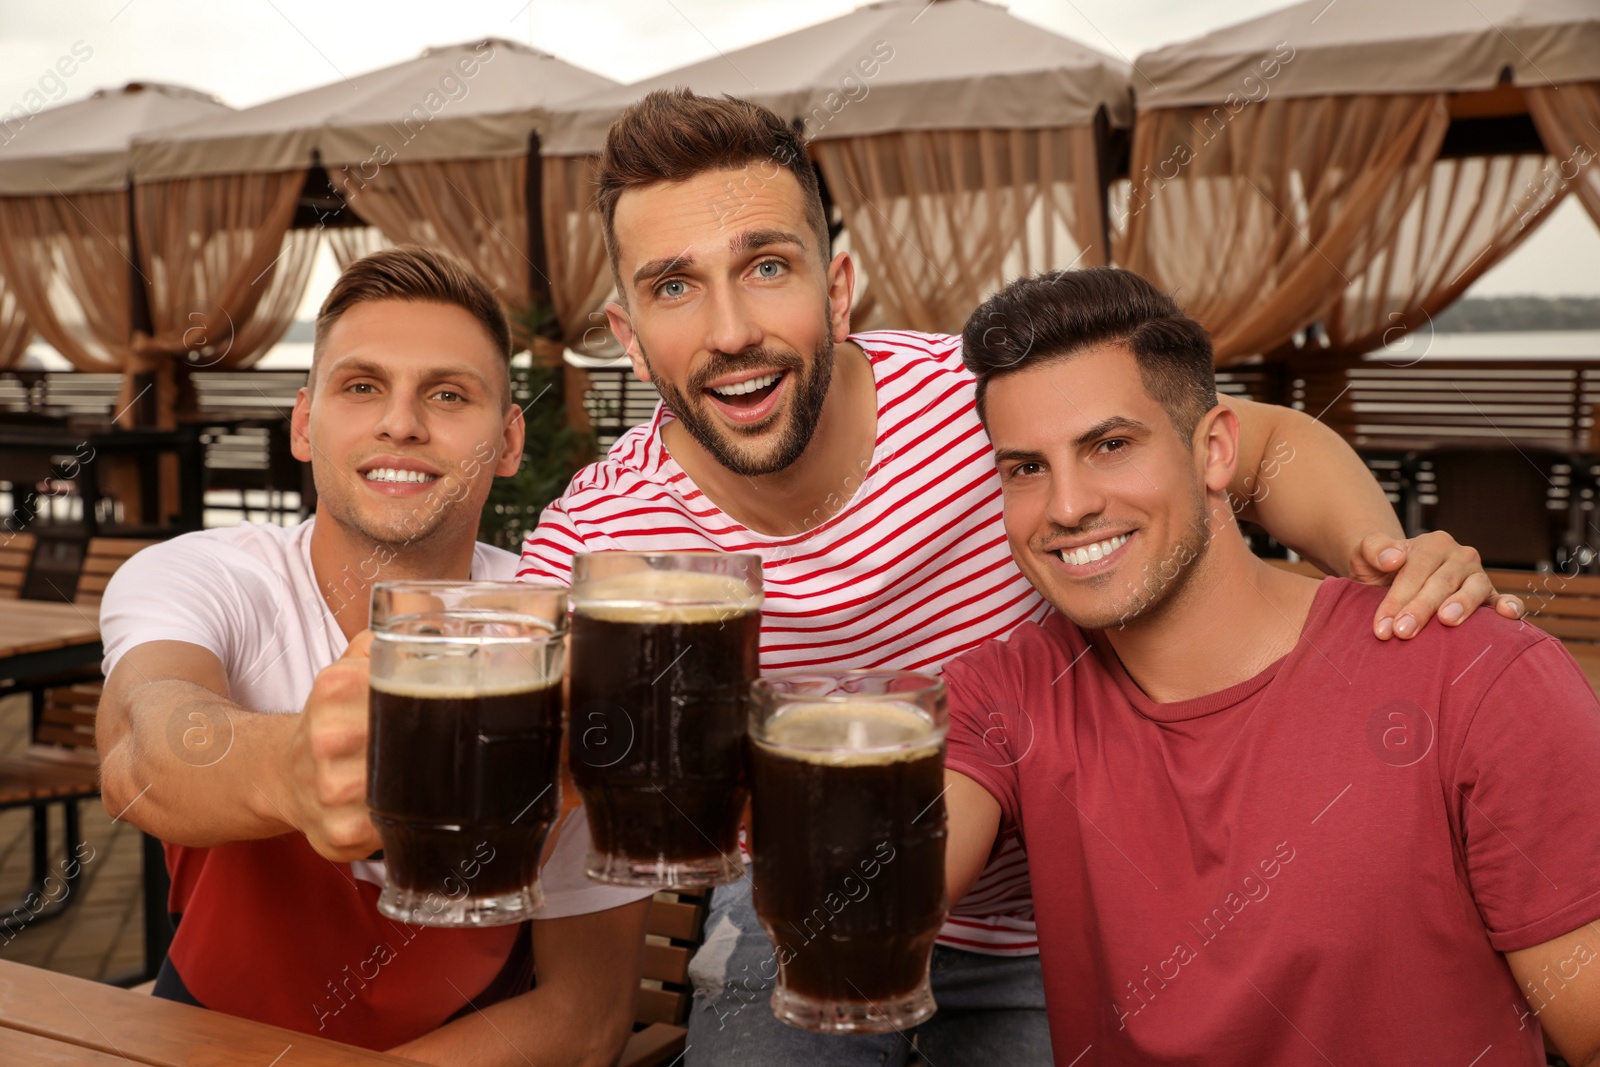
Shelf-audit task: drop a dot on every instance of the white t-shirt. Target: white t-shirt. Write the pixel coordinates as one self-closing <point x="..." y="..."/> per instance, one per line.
<point x="249" y="594"/>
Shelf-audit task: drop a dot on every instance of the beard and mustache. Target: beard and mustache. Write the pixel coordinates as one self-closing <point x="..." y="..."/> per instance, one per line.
<point x="808" y="388"/>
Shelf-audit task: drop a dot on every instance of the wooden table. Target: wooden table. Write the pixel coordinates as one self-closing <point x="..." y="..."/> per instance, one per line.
<point x="48" y="1019"/>
<point x="144" y="447"/>
<point x="39" y="638"/>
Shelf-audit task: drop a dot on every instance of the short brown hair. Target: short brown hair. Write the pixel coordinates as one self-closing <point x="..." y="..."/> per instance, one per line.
<point x="673" y="135"/>
<point x="1055" y="316"/>
<point x="417" y="275"/>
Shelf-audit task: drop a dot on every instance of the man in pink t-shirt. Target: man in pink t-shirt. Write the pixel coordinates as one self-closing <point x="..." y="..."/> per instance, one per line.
<point x="1255" y="836"/>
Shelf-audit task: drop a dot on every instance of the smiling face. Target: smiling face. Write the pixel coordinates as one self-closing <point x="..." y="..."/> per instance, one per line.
<point x="1107" y="507"/>
<point x="731" y="311"/>
<point x="406" y="421"/>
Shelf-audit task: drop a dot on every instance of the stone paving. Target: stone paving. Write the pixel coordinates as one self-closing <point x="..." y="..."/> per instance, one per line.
<point x="101" y="935"/>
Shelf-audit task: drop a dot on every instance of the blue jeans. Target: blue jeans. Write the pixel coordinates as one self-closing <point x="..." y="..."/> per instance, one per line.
<point x="991" y="1008"/>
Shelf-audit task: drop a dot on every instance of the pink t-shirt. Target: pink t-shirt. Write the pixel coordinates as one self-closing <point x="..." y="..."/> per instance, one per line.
<point x="1321" y="864"/>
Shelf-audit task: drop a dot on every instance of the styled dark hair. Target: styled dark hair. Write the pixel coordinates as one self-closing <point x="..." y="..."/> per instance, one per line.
<point x="1055" y="316"/>
<point x="418" y="275"/>
<point x="673" y="135"/>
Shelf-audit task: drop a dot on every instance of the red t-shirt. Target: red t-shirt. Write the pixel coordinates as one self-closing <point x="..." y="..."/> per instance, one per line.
<point x="1321" y="864"/>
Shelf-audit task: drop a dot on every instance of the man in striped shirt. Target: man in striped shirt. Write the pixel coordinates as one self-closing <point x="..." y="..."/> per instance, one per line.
<point x="856" y="466"/>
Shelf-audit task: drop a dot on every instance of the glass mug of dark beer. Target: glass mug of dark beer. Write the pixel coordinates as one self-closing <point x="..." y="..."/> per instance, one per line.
<point x="847" y="837"/>
<point x="664" y="647"/>
<point x="464" y="752"/>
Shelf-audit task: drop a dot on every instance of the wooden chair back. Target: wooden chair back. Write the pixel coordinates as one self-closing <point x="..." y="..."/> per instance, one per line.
<point x="673" y="930"/>
<point x="104" y="556"/>
<point x="1567" y="607"/>
<point x="67" y="718"/>
<point x="16" y="552"/>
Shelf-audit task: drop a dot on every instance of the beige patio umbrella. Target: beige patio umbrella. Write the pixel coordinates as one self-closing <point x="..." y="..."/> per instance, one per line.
<point x="66" y="248"/>
<point x="1357" y="163"/>
<point x="68" y="255"/>
<point x="957" y="140"/>
<point x="433" y="150"/>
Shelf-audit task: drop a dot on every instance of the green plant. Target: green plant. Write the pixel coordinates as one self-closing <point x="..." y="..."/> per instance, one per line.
<point x="552" y="453"/>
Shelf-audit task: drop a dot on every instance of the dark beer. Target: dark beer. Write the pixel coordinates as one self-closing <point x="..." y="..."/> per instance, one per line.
<point x="661" y="664"/>
<point x="463" y="785"/>
<point x="848" y="839"/>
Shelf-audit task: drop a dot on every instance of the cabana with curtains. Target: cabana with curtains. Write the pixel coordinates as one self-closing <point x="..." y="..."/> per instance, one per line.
<point x="960" y="145"/>
<point x="433" y="151"/>
<point x="1355" y="165"/>
<point x="68" y="256"/>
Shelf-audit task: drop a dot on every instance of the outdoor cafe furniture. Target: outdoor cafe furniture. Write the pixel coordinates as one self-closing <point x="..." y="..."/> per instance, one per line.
<point x="49" y="1018"/>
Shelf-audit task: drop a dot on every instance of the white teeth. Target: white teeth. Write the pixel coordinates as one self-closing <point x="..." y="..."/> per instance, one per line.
<point x="745" y="387"/>
<point x="1090" y="553"/>
<point x="394" y="474"/>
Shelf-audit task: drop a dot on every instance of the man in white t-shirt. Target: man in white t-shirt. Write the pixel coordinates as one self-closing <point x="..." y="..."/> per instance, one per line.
<point x="234" y="721"/>
<point x="862" y="476"/>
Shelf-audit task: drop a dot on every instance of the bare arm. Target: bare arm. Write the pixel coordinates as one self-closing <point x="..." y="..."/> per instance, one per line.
<point x="1560" y="980"/>
<point x="581" y="1012"/>
<point x="184" y="763"/>
<point x="974" y="823"/>
<point x="180" y="760"/>
<point x="1310" y="490"/>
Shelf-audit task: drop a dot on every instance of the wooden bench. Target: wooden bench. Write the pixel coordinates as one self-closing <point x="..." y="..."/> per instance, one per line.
<point x="60" y="766"/>
<point x="673" y="931"/>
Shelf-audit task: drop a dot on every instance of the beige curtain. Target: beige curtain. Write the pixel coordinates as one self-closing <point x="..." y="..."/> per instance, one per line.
<point x="1468" y="217"/>
<point x="67" y="262"/>
<point x="940" y="219"/>
<point x="475" y="209"/>
<point x="225" y="273"/>
<point x="865" y="311"/>
<point x="1568" y="118"/>
<point x="575" y="252"/>
<point x="15" y="332"/>
<point x="1255" y="219"/>
<point x="350" y="243"/>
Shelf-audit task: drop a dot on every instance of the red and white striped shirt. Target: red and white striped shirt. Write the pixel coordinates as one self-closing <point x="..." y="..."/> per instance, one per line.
<point x="912" y="571"/>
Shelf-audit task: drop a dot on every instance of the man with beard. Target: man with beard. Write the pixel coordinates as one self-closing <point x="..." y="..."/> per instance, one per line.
<point x="856" y="466"/>
<point x="234" y="720"/>
<point x="1270" y="841"/>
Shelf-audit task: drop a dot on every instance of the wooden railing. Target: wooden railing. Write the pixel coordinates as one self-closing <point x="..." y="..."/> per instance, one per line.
<point x="1436" y="403"/>
<point x="76" y="395"/>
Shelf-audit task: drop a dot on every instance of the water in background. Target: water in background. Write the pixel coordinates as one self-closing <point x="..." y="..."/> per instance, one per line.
<point x="1543" y="344"/>
<point x="291" y="355"/>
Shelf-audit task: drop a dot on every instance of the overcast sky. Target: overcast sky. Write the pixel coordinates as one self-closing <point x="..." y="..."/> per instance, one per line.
<point x="248" y="51"/>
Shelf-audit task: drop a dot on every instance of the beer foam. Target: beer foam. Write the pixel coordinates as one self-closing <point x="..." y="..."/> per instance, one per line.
<point x="457" y="678"/>
<point x="652" y="596"/>
<point x="851" y="734"/>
